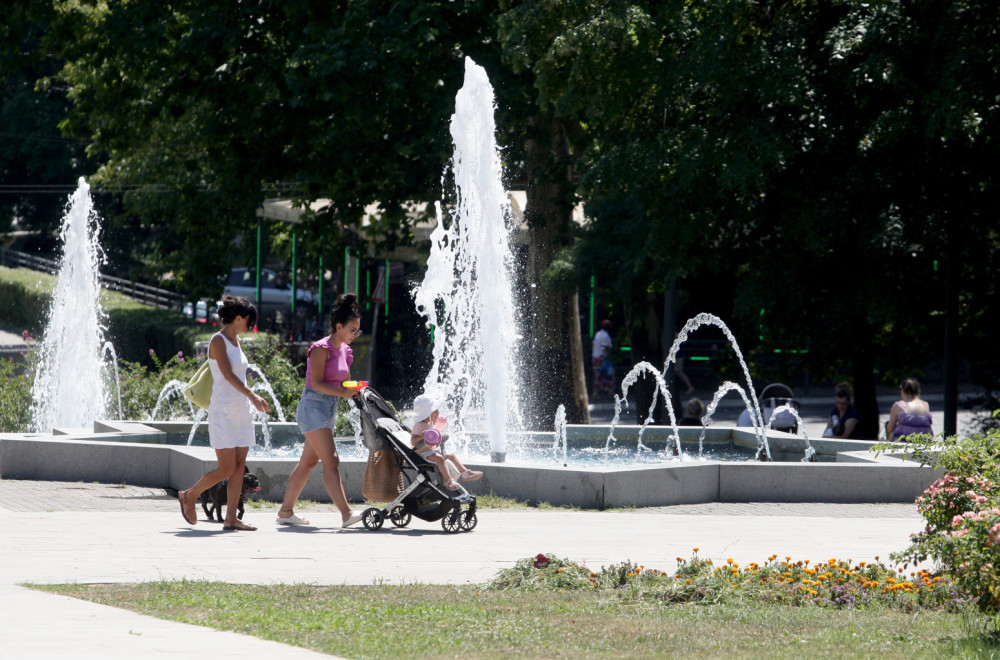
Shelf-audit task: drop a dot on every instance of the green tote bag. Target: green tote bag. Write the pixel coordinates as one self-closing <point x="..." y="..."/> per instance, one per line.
<point x="199" y="388"/>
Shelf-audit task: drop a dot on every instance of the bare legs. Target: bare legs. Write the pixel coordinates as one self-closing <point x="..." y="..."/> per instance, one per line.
<point x="679" y="370"/>
<point x="448" y="466"/>
<point x="231" y="465"/>
<point x="446" y="475"/>
<point x="319" y="447"/>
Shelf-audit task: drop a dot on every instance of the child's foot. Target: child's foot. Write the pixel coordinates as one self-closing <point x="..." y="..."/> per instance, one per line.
<point x="472" y="475"/>
<point x="452" y="484"/>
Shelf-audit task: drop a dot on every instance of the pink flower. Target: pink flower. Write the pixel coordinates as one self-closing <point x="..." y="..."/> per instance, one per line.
<point x="152" y="352"/>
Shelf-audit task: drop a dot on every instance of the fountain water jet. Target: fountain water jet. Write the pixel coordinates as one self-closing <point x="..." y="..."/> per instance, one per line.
<point x="661" y="387"/>
<point x="68" y="389"/>
<point x="109" y="350"/>
<point x="468" y="279"/>
<point x="710" y="319"/>
<point x="172" y="388"/>
<point x="560" y="432"/>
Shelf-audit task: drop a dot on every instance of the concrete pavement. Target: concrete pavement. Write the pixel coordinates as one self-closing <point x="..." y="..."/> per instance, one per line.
<point x="94" y="533"/>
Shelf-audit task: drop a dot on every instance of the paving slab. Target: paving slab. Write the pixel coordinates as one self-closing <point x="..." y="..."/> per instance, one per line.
<point x="98" y="533"/>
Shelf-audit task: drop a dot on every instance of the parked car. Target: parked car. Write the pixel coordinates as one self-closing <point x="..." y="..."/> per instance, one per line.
<point x="202" y="311"/>
<point x="274" y="293"/>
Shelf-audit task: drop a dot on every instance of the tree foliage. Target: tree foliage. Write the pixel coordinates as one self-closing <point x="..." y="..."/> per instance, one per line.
<point x="34" y="155"/>
<point x="829" y="157"/>
<point x="204" y="109"/>
<point x="832" y="159"/>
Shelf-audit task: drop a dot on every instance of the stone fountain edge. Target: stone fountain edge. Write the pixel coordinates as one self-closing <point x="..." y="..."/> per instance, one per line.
<point x="109" y="457"/>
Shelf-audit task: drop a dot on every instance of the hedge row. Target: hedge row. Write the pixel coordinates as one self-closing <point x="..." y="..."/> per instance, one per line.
<point x="133" y="328"/>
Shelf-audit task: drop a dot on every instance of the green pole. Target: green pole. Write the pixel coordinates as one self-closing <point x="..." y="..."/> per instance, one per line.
<point x="347" y="264"/>
<point x="259" y="230"/>
<point x="357" y="277"/>
<point x="319" y="301"/>
<point x="368" y="289"/>
<point x="294" y="290"/>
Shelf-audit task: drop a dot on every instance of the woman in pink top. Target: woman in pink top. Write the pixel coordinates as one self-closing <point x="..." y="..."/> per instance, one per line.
<point x="328" y="365"/>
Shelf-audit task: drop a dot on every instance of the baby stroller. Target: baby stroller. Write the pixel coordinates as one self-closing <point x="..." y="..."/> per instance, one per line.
<point x="774" y="396"/>
<point x="423" y="494"/>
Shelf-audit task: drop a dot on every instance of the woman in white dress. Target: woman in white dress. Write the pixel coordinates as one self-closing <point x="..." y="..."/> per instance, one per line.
<point x="230" y="419"/>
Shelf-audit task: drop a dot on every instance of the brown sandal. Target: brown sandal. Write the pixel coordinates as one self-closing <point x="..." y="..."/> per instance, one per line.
<point x="190" y="515"/>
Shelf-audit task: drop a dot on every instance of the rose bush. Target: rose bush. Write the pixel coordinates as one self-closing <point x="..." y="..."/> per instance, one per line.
<point x="962" y="512"/>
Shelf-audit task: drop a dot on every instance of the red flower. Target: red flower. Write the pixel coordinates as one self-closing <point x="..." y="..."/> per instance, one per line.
<point x="541" y="561"/>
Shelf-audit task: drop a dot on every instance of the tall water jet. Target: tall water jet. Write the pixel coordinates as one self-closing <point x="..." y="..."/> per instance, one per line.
<point x="467" y="293"/>
<point x="69" y="387"/>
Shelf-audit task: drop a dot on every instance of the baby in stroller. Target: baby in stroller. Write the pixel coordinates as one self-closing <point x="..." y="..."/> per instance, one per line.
<point x="426" y="441"/>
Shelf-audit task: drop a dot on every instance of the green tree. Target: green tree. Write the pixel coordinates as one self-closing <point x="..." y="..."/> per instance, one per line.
<point x="823" y="155"/>
<point x="202" y="110"/>
<point x="38" y="165"/>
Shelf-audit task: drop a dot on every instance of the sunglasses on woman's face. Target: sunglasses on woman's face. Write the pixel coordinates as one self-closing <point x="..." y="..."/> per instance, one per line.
<point x="355" y="333"/>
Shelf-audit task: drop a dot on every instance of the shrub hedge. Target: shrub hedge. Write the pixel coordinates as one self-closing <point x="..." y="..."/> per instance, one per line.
<point x="133" y="328"/>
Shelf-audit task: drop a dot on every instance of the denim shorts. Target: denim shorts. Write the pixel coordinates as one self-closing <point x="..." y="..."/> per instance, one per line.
<point x="316" y="411"/>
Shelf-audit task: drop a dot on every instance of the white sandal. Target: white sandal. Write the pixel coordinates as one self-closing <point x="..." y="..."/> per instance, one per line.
<point x="291" y="520"/>
<point x="355" y="517"/>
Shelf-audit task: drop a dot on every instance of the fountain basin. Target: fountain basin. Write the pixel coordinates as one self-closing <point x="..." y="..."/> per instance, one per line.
<point x="139" y="454"/>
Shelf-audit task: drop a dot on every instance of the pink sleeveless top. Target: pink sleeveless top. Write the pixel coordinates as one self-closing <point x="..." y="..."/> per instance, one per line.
<point x="338" y="363"/>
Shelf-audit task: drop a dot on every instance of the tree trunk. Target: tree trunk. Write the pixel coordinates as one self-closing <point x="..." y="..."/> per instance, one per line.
<point x="865" y="399"/>
<point x="555" y="371"/>
<point x="951" y="286"/>
<point x="647" y="346"/>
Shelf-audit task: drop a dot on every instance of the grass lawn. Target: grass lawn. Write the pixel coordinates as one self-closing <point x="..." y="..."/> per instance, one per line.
<point x="418" y="621"/>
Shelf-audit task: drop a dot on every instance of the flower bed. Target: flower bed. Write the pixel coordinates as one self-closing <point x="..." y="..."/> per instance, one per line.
<point x="830" y="583"/>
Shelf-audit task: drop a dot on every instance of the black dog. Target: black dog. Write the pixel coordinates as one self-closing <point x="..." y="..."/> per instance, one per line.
<point x="216" y="497"/>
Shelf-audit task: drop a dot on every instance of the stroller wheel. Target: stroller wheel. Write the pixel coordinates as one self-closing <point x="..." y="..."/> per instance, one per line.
<point x="468" y="521"/>
<point x="372" y="519"/>
<point x="400" y="517"/>
<point x="452" y="522"/>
